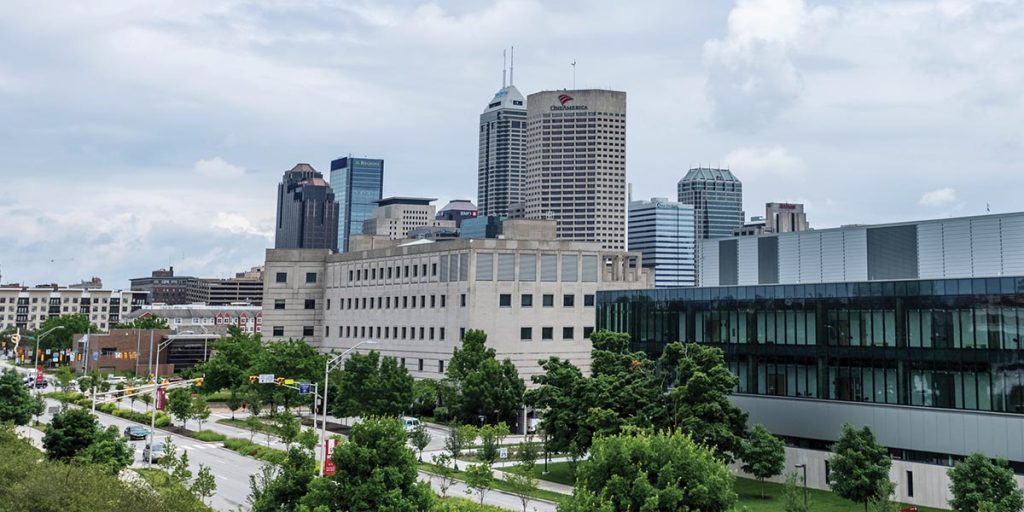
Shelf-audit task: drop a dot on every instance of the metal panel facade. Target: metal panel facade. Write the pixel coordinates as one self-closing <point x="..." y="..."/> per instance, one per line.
<point x="810" y="257"/>
<point x="789" y="259"/>
<point x="1012" y="245"/>
<point x="855" y="254"/>
<point x="709" y="263"/>
<point x="747" y="258"/>
<point x="929" y="248"/>
<point x="986" y="258"/>
<point x="768" y="260"/>
<point x="956" y="247"/>
<point x="833" y="264"/>
<point x="892" y="252"/>
<point x="727" y="262"/>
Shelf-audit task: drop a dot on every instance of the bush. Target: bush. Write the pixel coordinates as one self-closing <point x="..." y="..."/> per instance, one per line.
<point x="208" y="436"/>
<point x="254" y="450"/>
<point x="461" y="505"/>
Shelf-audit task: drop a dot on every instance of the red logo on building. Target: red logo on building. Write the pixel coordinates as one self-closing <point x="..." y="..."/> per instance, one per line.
<point x="564" y="98"/>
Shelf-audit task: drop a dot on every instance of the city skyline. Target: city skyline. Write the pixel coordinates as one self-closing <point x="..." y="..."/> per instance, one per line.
<point x="124" y="157"/>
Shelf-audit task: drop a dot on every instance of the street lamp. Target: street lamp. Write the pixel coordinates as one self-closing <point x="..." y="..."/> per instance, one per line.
<point x="804" y="467"/>
<point x="156" y="385"/>
<point x="331" y="364"/>
<point x="40" y="337"/>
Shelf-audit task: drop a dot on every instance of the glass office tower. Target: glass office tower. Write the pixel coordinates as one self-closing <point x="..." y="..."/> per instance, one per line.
<point x="717" y="199"/>
<point x="662" y="231"/>
<point x="358" y="184"/>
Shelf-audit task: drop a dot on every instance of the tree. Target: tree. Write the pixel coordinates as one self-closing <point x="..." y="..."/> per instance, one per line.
<point x="764" y="455"/>
<point x="859" y="467"/>
<point x="522" y="484"/>
<point x="375" y="471"/>
<point x="978" y="482"/>
<point x="308" y="438"/>
<point x="181" y="472"/>
<point x="232" y="361"/>
<point x="485" y="388"/>
<point x="204" y="485"/>
<point x="254" y="425"/>
<point x="234" y="402"/>
<point x="170" y="458"/>
<point x="459" y="437"/>
<point x="64" y="377"/>
<point x="293" y="359"/>
<point x="179" y="405"/>
<point x="583" y="500"/>
<point x="61" y="339"/>
<point x="491" y="437"/>
<point x="445" y="473"/>
<point x="372" y="385"/>
<point x="69" y="432"/>
<point x="479" y="478"/>
<point x="420" y="438"/>
<point x="276" y="489"/>
<point x="526" y="454"/>
<point x="17" y="405"/>
<point x="287" y="427"/>
<point x="255" y="403"/>
<point x="109" y="449"/>
<point x="200" y="410"/>
<point x="144" y="322"/>
<point x="792" y="497"/>
<point x="425" y="397"/>
<point x="634" y="470"/>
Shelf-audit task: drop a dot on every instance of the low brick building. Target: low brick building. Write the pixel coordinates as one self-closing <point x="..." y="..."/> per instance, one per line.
<point x="121" y="350"/>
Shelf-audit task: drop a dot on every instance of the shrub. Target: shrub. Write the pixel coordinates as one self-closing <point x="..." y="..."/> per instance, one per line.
<point x="208" y="436"/>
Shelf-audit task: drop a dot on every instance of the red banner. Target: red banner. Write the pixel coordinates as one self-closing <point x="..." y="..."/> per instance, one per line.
<point x="39" y="374"/>
<point x="329" y="468"/>
<point x="161" y="398"/>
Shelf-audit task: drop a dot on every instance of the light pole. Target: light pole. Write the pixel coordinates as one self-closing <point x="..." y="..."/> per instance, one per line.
<point x="331" y="363"/>
<point x="804" y="467"/>
<point x="40" y="337"/>
<point x="156" y="386"/>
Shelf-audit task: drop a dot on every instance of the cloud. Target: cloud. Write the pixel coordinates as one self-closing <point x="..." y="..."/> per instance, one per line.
<point x="239" y="224"/>
<point x="938" y="197"/>
<point x="752" y="78"/>
<point x="216" y="167"/>
<point x="763" y="161"/>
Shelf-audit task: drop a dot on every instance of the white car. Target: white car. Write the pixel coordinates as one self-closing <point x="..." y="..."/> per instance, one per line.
<point x="116" y="379"/>
<point x="410" y="423"/>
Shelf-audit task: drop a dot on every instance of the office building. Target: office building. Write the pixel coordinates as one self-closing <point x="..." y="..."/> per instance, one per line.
<point x="307" y="214"/>
<point x="981" y="246"/>
<point x="785" y="218"/>
<point x="755" y="227"/>
<point x="663" y="232"/>
<point x="358" y="183"/>
<point x="164" y="287"/>
<point x="128" y="350"/>
<point x="501" y="173"/>
<point x="487" y="226"/>
<point x="395" y="217"/>
<point x="27" y="308"/>
<point x="717" y="199"/>
<point x="203" y="318"/>
<point x="576" y="164"/>
<point x="533" y="295"/>
<point x="458" y="210"/>
<point x="222" y="292"/>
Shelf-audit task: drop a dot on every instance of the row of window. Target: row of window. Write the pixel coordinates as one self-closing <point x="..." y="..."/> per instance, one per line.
<point x="56" y="300"/>
<point x="547" y="300"/>
<point x="282" y="277"/>
<point x="423" y="333"/>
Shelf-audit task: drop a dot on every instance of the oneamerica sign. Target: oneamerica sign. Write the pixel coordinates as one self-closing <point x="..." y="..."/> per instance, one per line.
<point x="565" y="98"/>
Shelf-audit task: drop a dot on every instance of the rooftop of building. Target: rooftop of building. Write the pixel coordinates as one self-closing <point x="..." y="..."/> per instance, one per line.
<point x="459" y="205"/>
<point x="506" y="97"/>
<point x="709" y="173"/>
<point x="414" y="201"/>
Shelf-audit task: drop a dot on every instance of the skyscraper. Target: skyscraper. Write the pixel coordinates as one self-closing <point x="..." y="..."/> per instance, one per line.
<point x="785" y="218"/>
<point x="307" y="215"/>
<point x="501" y="177"/>
<point x="576" y="164"/>
<point x="358" y="184"/>
<point x="662" y="231"/>
<point x="717" y="199"/>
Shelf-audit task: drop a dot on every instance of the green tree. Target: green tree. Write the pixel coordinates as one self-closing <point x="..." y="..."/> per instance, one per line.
<point x="491" y="437"/>
<point x="583" y="500"/>
<point x="372" y="385"/>
<point x="204" y="485"/>
<point x="764" y="455"/>
<point x="69" y="432"/>
<point x="638" y="471"/>
<point x="479" y="479"/>
<point x="978" y="482"/>
<point x="287" y="427"/>
<point x="793" y="495"/>
<point x="375" y="471"/>
<point x="170" y="459"/>
<point x="234" y="402"/>
<point x="420" y="438"/>
<point x="64" y="377"/>
<point x="200" y="411"/>
<point x="281" y="489"/>
<point x="61" y="339"/>
<point x="859" y="467"/>
<point x="232" y="361"/>
<point x="254" y="425"/>
<point x="425" y="397"/>
<point x="181" y="472"/>
<point x="144" y="322"/>
<point x="17" y="405"/>
<point x="293" y="359"/>
<point x="109" y="449"/>
<point x="485" y="388"/>
<point x="527" y="454"/>
<point x="445" y="473"/>
<point x="459" y="437"/>
<point x="308" y="438"/>
<point x="179" y="405"/>
<point x="522" y="484"/>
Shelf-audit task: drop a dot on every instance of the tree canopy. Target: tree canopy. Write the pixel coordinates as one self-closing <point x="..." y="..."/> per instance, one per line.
<point x="372" y="385"/>
<point x="233" y="358"/>
<point x="68" y="433"/>
<point x="61" y="339"/>
<point x="860" y="466"/>
<point x="763" y="454"/>
<point x="482" y="386"/>
<point x="979" y="483"/>
<point x="17" y="405"/>
<point x="144" y="322"/>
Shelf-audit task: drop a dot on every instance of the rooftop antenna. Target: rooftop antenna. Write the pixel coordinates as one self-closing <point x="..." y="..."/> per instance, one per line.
<point x="512" y="67"/>
<point x="573" y="74"/>
<point x="503" y="62"/>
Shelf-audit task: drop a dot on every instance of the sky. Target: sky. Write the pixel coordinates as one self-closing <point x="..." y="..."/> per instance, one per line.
<point x="135" y="135"/>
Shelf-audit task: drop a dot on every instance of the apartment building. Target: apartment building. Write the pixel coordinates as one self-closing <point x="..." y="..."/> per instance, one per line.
<point x="27" y="308"/>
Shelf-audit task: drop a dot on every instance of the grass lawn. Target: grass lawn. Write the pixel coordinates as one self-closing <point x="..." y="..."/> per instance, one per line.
<point x="558" y="472"/>
<point x="500" y="485"/>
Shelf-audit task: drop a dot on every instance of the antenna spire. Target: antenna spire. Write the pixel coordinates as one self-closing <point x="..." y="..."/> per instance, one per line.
<point x="503" y="62"/>
<point x="573" y="73"/>
<point x="512" y="67"/>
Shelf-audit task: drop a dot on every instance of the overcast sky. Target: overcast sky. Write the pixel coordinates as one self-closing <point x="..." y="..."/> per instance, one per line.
<point x="141" y="134"/>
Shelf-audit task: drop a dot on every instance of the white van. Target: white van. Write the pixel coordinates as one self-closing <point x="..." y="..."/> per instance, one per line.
<point x="116" y="379"/>
<point x="410" y="423"/>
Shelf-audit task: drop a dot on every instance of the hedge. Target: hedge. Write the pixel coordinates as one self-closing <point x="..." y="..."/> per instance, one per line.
<point x="249" y="449"/>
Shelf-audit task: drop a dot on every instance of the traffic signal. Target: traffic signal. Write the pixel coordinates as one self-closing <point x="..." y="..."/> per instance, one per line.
<point x="199" y="382"/>
<point x="129" y="390"/>
<point x="279" y="380"/>
<point x="163" y="383"/>
<point x="253" y="379"/>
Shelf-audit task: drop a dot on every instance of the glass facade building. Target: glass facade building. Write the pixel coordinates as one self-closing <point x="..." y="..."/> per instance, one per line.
<point x="358" y="184"/>
<point x="663" y="232"/>
<point x="717" y="199"/>
<point x="946" y="343"/>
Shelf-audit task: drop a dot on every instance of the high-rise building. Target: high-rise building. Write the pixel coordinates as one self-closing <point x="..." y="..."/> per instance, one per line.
<point x="576" y="164"/>
<point x="164" y="287"/>
<point x="717" y="199"/>
<point x="458" y="210"/>
<point x="785" y="218"/>
<point x="662" y="231"/>
<point x="501" y="176"/>
<point x="307" y="214"/>
<point x="358" y="183"/>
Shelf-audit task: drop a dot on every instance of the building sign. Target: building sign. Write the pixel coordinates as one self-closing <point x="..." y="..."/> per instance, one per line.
<point x="565" y="100"/>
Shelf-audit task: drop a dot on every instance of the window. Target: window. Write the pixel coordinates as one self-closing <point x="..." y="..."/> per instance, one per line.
<point x="310" y="277"/>
<point x="462" y="300"/>
<point x="568" y="300"/>
<point x="278" y="303"/>
<point x="327" y="331"/>
<point x="420" y="365"/>
<point x="910" y="484"/>
<point x="549" y="300"/>
<point x="278" y="330"/>
<point x="441" y="334"/>
<point x="526" y="300"/>
<point x="526" y="333"/>
<point x="440" y="366"/>
<point x="547" y="333"/>
<point x="505" y="300"/>
<point x="587" y="331"/>
<point x="282" y="277"/>
<point x="462" y="332"/>
<point x="328" y="304"/>
<point x="588" y="300"/>
<point x="567" y="333"/>
<point x="444" y="300"/>
<point x="309" y="304"/>
<point x="307" y="330"/>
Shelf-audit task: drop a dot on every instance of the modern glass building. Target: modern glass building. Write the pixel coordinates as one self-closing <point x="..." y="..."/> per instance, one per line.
<point x="935" y="367"/>
<point x="663" y="232"/>
<point x="307" y="212"/>
<point x="358" y="184"/>
<point x="717" y="199"/>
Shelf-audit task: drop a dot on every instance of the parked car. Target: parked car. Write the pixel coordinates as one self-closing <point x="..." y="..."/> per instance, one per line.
<point x="116" y="379"/>
<point x="157" y="450"/>
<point x="135" y="433"/>
<point x="42" y="385"/>
<point x="410" y="423"/>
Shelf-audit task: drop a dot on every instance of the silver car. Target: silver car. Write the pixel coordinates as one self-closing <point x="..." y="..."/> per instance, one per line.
<point x="157" y="449"/>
